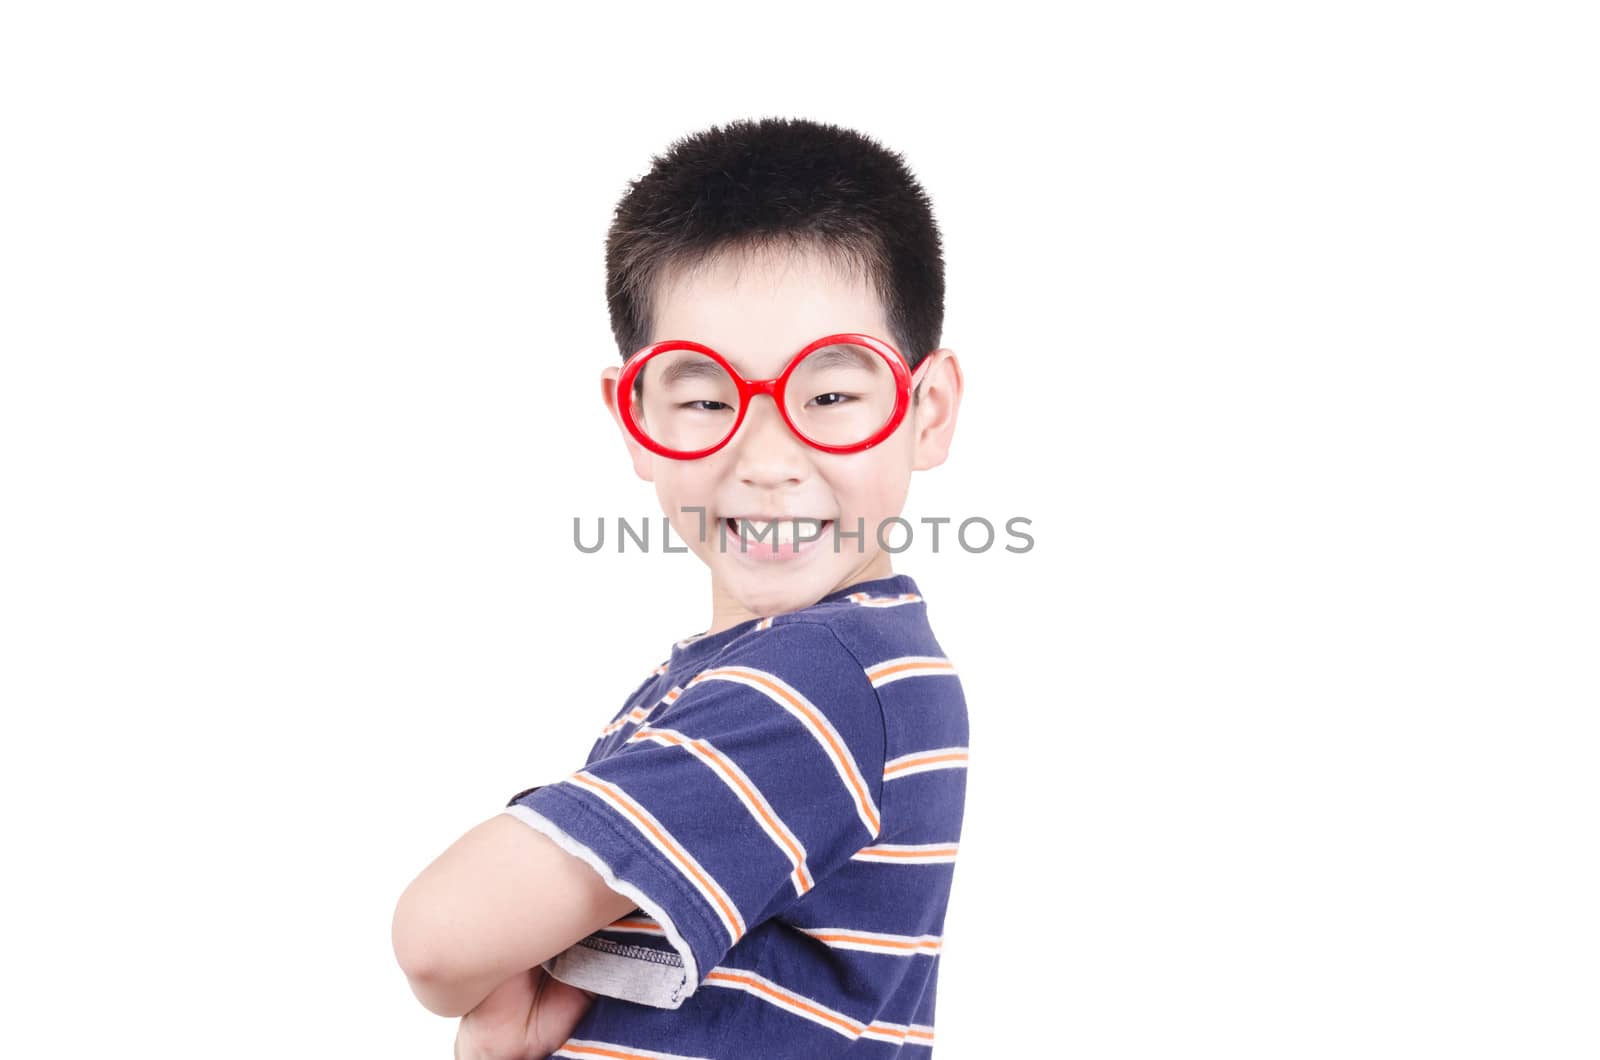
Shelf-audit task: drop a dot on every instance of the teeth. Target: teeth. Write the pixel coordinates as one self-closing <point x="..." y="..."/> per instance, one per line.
<point x="756" y="530"/>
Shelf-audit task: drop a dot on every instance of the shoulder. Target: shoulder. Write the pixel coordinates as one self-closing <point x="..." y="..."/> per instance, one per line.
<point x="804" y="669"/>
<point x="794" y="654"/>
<point x="851" y="648"/>
<point x="889" y="638"/>
<point x="882" y="632"/>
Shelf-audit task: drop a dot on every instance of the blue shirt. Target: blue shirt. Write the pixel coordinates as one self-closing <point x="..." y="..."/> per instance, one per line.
<point x="783" y="801"/>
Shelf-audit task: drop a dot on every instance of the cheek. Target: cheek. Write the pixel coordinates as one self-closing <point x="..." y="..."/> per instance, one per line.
<point x="878" y="485"/>
<point x="875" y="491"/>
<point x="683" y="488"/>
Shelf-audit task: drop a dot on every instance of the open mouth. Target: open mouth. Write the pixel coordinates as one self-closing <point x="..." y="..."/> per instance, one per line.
<point x="788" y="535"/>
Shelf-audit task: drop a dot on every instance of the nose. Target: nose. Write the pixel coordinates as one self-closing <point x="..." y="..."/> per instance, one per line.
<point x="769" y="454"/>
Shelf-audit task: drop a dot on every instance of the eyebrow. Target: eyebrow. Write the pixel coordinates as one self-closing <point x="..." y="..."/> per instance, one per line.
<point x="839" y="355"/>
<point x="692" y="368"/>
<point x="843" y="356"/>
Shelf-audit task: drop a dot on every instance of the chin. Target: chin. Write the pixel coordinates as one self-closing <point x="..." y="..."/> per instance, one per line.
<point x="776" y="596"/>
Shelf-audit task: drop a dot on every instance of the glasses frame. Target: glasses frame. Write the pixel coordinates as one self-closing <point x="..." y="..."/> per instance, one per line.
<point x="904" y="381"/>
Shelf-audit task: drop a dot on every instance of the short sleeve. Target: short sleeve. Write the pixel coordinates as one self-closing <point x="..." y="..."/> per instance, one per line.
<point x="725" y="804"/>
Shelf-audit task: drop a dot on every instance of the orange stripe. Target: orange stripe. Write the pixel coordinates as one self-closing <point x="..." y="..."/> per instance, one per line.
<point x="712" y="890"/>
<point x="844" y="756"/>
<point x="924" y="761"/>
<point x="797" y="1002"/>
<point x="866" y="941"/>
<point x="934" y="853"/>
<point x="756" y="799"/>
<point x="863" y="598"/>
<point x="887" y="1028"/>
<point x="611" y="1054"/>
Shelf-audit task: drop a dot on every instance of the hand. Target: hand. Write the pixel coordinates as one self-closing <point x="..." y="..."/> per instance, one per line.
<point x="527" y="1017"/>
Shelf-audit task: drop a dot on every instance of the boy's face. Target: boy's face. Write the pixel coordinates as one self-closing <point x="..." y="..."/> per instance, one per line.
<point x="758" y="310"/>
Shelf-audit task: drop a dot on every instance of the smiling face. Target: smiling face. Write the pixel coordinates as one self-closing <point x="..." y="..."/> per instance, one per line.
<point x="758" y="309"/>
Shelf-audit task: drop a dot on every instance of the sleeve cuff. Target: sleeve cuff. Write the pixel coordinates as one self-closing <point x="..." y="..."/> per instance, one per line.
<point x="640" y="974"/>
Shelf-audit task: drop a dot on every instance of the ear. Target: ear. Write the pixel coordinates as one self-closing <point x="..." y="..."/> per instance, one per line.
<point x="933" y="417"/>
<point x="638" y="453"/>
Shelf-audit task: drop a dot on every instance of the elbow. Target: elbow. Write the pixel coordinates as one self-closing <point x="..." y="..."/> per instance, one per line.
<point x="412" y="950"/>
<point x="441" y="997"/>
<point x="419" y="951"/>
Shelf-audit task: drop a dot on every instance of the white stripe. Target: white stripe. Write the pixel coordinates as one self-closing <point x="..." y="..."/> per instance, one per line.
<point x="785" y="840"/>
<point x="788" y="1000"/>
<point x="909" y="765"/>
<point x="909" y="666"/>
<point x="864" y="941"/>
<point x="643" y="713"/>
<point x="640" y="929"/>
<point x="884" y="1031"/>
<point x="621" y="801"/>
<point x="846" y="767"/>
<point x="883" y="601"/>
<point x="637" y="714"/>
<point x="885" y="852"/>
<point x="574" y="1047"/>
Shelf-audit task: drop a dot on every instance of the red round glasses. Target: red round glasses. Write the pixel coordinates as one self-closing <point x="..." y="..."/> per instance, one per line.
<point x="841" y="394"/>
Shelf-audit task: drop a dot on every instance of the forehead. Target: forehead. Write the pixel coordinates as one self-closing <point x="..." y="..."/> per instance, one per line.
<point x="758" y="308"/>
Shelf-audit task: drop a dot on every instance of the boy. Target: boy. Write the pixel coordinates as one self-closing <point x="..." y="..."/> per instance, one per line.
<point x="756" y="858"/>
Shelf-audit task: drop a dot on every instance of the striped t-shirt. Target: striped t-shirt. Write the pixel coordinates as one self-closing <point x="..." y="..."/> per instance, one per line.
<point x="782" y="800"/>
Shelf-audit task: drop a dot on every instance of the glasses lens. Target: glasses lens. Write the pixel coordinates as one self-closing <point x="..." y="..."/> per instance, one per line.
<point x="840" y="394"/>
<point x="684" y="400"/>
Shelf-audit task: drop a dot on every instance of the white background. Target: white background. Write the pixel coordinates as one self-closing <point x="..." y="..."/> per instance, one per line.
<point x="1278" y="321"/>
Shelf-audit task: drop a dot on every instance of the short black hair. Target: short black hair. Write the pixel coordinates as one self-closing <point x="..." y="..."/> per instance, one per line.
<point x="779" y="182"/>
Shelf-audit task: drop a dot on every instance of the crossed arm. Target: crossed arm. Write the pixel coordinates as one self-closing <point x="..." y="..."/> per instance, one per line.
<point x="500" y="900"/>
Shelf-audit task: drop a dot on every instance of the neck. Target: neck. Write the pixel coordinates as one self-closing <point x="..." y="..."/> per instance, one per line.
<point x="727" y="612"/>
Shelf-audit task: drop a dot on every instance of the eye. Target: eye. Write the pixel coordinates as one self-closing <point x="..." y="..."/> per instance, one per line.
<point x="838" y="399"/>
<point x="694" y="405"/>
